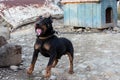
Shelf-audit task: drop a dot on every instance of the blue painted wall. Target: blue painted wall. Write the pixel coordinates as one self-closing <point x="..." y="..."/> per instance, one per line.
<point x="88" y="14"/>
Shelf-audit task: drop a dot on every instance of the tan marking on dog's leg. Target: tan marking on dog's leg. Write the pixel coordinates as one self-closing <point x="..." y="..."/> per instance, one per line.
<point x="48" y="72"/>
<point x="71" y="63"/>
<point x="30" y="69"/>
<point x="55" y="63"/>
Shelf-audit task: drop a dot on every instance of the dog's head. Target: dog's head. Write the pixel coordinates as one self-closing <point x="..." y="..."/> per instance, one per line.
<point x="43" y="26"/>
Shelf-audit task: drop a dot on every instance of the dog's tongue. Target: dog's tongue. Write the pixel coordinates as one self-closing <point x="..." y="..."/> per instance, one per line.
<point x="38" y="31"/>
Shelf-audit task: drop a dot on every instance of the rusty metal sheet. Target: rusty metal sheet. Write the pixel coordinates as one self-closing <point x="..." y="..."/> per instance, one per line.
<point x="22" y="2"/>
<point x="13" y="3"/>
<point x="78" y="1"/>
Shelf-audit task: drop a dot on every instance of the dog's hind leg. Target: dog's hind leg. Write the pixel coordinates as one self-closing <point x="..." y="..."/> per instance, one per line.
<point x="34" y="58"/>
<point x="55" y="63"/>
<point x="71" y="63"/>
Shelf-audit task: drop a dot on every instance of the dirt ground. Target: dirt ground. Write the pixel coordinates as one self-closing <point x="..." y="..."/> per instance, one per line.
<point x="96" y="56"/>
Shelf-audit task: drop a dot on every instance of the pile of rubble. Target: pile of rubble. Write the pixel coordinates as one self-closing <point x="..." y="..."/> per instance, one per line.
<point x="18" y="13"/>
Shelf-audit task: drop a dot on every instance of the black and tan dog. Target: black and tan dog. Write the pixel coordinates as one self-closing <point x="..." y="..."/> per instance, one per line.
<point x="49" y="45"/>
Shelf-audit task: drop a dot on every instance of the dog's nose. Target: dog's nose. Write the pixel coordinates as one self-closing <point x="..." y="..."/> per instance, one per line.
<point x="38" y="24"/>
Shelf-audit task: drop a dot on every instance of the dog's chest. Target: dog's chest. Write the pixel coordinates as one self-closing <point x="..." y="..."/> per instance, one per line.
<point x="44" y="47"/>
<point x="44" y="50"/>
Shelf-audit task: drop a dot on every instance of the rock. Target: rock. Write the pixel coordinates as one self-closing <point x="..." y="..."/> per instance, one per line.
<point x="14" y="68"/>
<point x="2" y="41"/>
<point x="80" y="30"/>
<point x="38" y="78"/>
<point x="88" y="68"/>
<point x="116" y="28"/>
<point x="43" y="72"/>
<point x="56" y="1"/>
<point x="4" y="31"/>
<point x="96" y="30"/>
<point x="57" y="16"/>
<point x="10" y="55"/>
<point x="21" y="67"/>
<point x="53" y="77"/>
<point x="77" y="29"/>
<point x="57" y="71"/>
<point x="1" y="20"/>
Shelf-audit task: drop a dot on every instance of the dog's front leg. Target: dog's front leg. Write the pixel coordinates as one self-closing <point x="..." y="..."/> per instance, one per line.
<point x="34" y="58"/>
<point x="49" y="66"/>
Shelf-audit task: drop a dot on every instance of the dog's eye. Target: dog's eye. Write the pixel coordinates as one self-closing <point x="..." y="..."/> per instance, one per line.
<point x="37" y="24"/>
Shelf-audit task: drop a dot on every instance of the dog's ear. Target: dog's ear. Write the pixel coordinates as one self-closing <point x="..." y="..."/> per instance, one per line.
<point x="39" y="18"/>
<point x="50" y="19"/>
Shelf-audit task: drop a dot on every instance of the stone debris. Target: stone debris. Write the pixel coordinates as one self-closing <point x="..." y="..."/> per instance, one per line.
<point x="9" y="54"/>
<point x="38" y="78"/>
<point x="116" y="29"/>
<point x="2" y="41"/>
<point x="14" y="68"/>
<point x="57" y="71"/>
<point x="4" y="31"/>
<point x="53" y="77"/>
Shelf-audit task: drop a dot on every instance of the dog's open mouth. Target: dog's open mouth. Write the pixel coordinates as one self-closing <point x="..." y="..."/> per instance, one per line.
<point x="38" y="31"/>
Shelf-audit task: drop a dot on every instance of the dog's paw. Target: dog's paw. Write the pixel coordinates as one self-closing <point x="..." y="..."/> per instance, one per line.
<point x="47" y="76"/>
<point x="71" y="72"/>
<point x="53" y="66"/>
<point x="29" y="71"/>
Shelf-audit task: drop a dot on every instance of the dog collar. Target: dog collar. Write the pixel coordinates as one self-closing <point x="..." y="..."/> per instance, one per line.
<point x="45" y="37"/>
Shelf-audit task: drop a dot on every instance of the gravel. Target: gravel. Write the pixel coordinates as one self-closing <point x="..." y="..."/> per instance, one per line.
<point x="96" y="56"/>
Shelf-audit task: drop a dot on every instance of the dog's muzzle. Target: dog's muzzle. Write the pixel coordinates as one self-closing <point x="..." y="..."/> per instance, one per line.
<point x="38" y="31"/>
